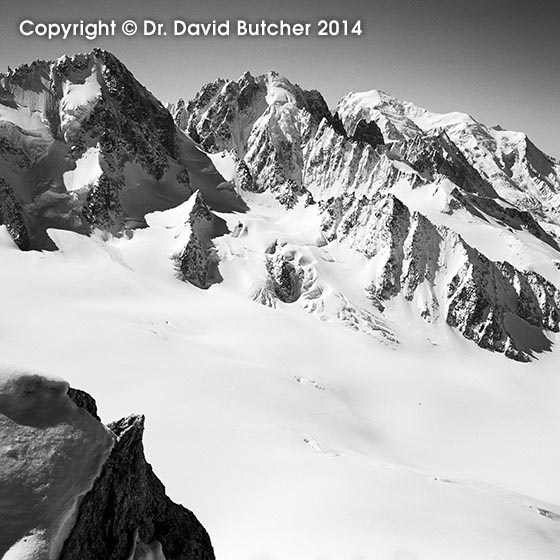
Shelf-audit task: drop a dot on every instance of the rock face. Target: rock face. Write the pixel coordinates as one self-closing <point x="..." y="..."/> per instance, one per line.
<point x="128" y="504"/>
<point x="73" y="488"/>
<point x="84" y="400"/>
<point x="51" y="452"/>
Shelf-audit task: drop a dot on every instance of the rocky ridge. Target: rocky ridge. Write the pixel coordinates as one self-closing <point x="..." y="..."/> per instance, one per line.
<point x="356" y="164"/>
<point x="74" y="488"/>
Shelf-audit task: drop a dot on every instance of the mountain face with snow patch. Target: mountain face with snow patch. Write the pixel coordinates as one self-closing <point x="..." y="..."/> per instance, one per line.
<point x="83" y="145"/>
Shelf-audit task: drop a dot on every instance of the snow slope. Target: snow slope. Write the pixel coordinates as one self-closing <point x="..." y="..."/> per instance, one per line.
<point x="87" y="171"/>
<point x="288" y="436"/>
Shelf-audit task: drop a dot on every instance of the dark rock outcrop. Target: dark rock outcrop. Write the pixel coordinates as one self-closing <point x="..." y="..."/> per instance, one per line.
<point x="365" y="131"/>
<point x="198" y="262"/>
<point x="11" y="215"/>
<point x="128" y="504"/>
<point x="84" y="400"/>
<point x="284" y="278"/>
<point x="368" y="132"/>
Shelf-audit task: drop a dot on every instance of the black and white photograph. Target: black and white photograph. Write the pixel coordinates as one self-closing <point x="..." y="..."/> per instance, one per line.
<point x="279" y="280"/>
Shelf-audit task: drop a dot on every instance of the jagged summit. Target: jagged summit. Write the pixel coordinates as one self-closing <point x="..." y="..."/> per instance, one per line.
<point x="234" y="106"/>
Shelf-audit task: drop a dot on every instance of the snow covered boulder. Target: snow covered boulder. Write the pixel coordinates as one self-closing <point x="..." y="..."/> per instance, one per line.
<point x="51" y="452"/>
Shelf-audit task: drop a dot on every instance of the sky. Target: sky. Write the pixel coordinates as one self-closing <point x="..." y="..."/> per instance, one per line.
<point x="496" y="60"/>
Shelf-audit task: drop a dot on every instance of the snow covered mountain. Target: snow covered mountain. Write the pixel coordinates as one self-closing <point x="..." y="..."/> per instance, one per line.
<point x="83" y="145"/>
<point x="438" y="205"/>
<point x="342" y="325"/>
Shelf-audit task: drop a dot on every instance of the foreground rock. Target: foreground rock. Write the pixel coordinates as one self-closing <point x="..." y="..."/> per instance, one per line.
<point x="72" y="488"/>
<point x="128" y="510"/>
<point x="51" y="452"/>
